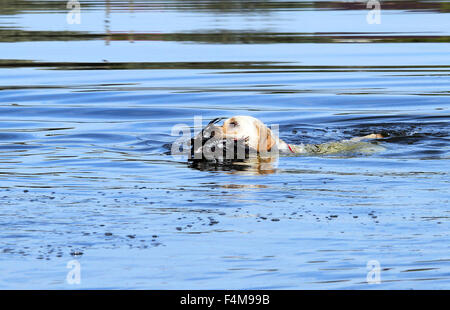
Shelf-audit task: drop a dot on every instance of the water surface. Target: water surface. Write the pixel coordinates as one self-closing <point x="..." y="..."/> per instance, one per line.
<point x="87" y="110"/>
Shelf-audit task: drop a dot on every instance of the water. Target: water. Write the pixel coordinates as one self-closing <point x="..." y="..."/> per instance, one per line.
<point x="86" y="113"/>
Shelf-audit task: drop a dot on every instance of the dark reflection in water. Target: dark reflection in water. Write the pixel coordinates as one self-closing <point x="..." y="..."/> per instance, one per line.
<point x="243" y="7"/>
<point x="252" y="166"/>
<point x="219" y="36"/>
<point x="86" y="118"/>
<point x="223" y="37"/>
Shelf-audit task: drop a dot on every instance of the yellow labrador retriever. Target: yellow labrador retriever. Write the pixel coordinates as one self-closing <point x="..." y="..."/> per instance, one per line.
<point x="240" y="136"/>
<point x="260" y="138"/>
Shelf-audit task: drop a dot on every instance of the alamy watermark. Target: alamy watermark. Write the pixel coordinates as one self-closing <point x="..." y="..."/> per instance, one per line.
<point x="374" y="15"/>
<point x="74" y="274"/>
<point x="374" y="272"/>
<point x="74" y="15"/>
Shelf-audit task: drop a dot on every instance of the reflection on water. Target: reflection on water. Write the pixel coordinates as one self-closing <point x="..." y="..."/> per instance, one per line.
<point x="250" y="166"/>
<point x="86" y="113"/>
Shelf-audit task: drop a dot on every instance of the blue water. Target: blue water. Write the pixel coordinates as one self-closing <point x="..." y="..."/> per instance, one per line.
<point x="86" y="118"/>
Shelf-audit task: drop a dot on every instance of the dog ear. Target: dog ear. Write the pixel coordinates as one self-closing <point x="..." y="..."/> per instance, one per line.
<point x="266" y="139"/>
<point x="270" y="141"/>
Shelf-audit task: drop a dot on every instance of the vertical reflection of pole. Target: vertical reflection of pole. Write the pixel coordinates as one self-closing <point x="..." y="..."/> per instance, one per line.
<point x="130" y="34"/>
<point x="107" y="23"/>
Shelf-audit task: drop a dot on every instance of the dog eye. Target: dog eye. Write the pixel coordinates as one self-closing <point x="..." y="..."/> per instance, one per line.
<point x="234" y="123"/>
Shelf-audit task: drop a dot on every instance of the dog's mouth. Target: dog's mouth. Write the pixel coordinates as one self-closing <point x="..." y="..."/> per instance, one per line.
<point x="219" y="149"/>
<point x="211" y="146"/>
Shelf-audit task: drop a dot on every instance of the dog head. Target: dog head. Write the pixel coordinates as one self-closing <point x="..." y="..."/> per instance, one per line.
<point x="235" y="139"/>
<point x="258" y="136"/>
